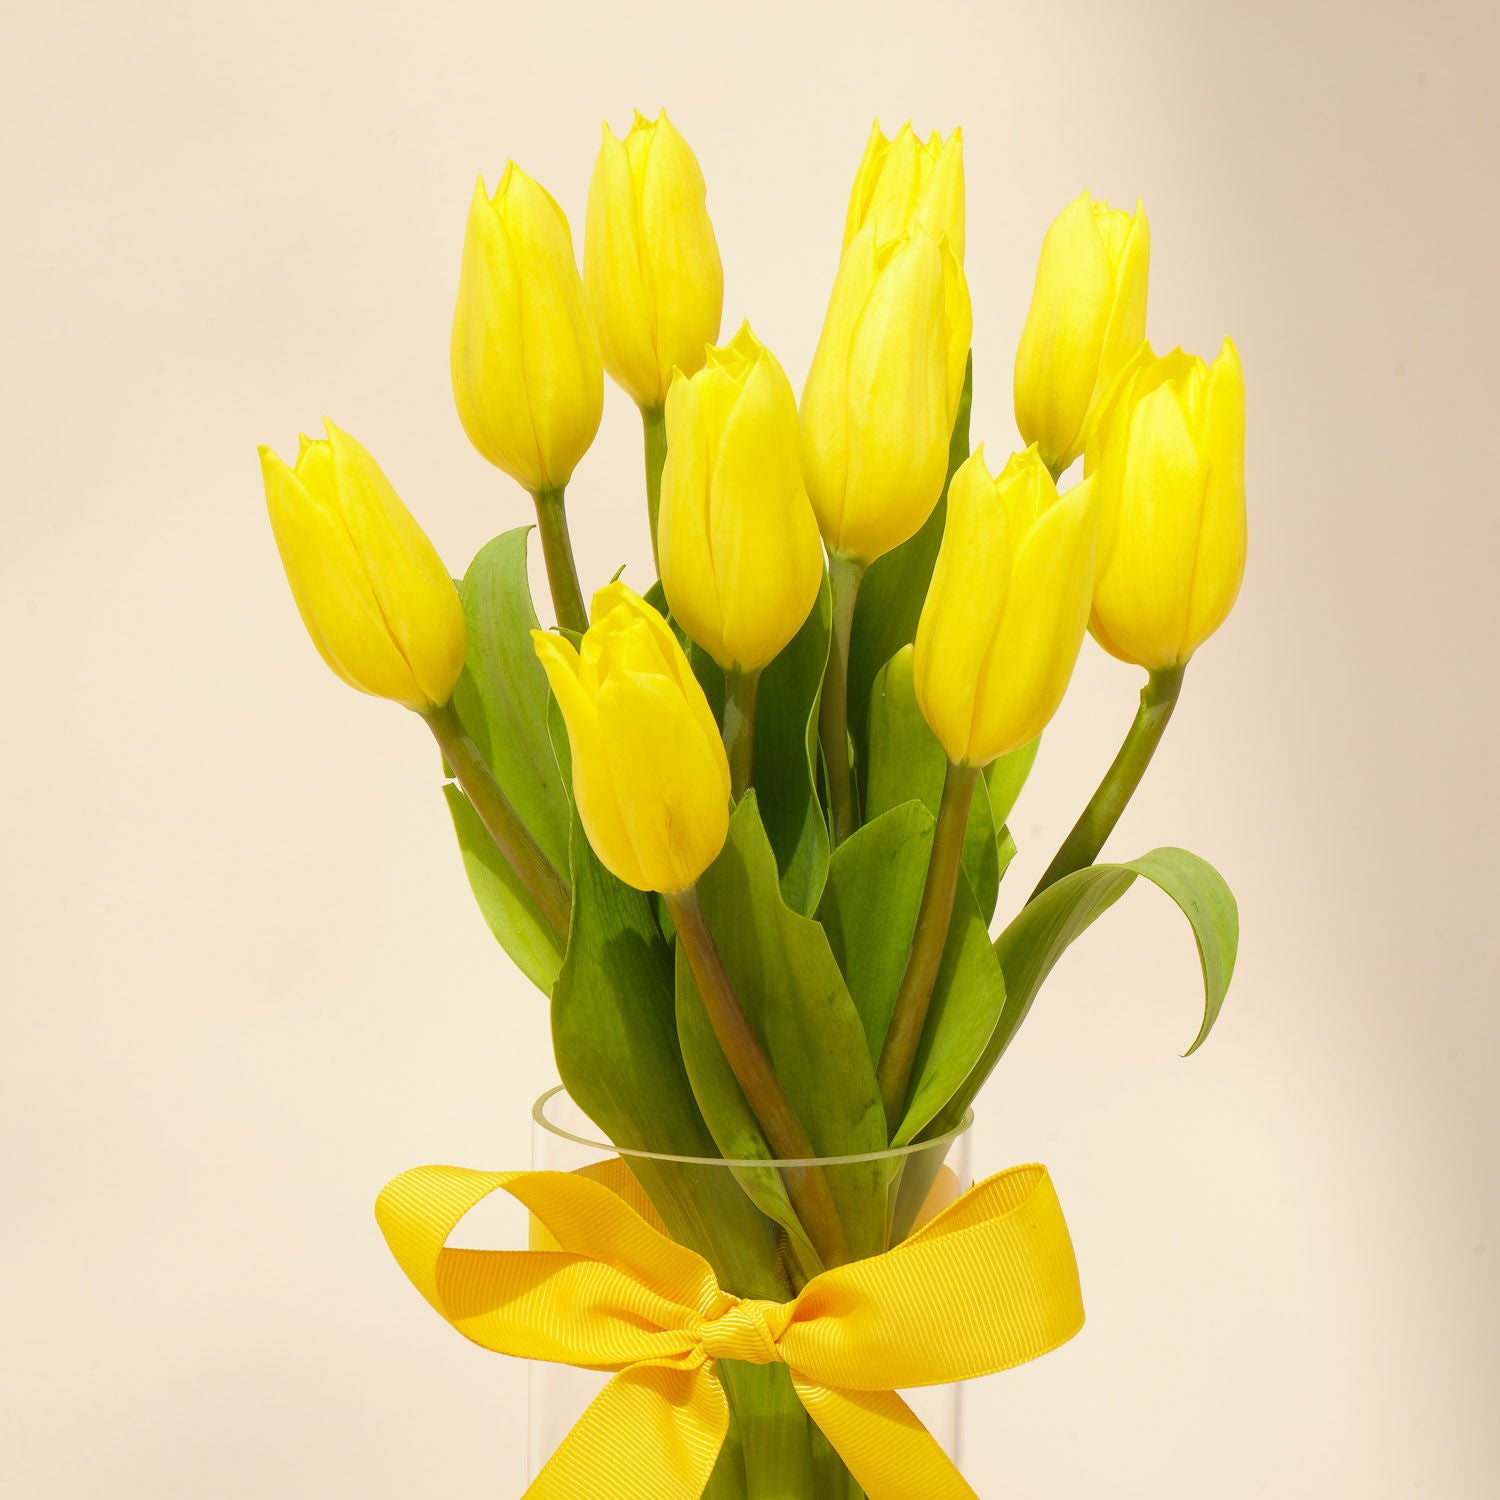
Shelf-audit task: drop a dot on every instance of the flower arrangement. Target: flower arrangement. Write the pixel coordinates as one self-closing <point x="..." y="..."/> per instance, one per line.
<point x="748" y="828"/>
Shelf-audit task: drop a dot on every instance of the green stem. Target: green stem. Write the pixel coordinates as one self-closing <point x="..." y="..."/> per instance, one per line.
<point x="806" y="1185"/>
<point x="654" y="420"/>
<point x="844" y="574"/>
<point x="740" y="689"/>
<point x="927" y="944"/>
<point x="1097" y="821"/>
<point x="522" y="853"/>
<point x="557" y="552"/>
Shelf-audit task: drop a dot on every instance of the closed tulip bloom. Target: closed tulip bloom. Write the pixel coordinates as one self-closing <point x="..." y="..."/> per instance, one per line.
<point x="1168" y="463"/>
<point x="882" y="394"/>
<point x="740" y="557"/>
<point x="376" y="599"/>
<point x="1007" y="607"/>
<point x="907" y="181"/>
<point x="649" y="771"/>
<point x="650" y="261"/>
<point x="1087" y="317"/>
<point x="525" y="359"/>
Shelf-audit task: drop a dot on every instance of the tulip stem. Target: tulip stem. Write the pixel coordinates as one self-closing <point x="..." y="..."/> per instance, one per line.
<point x="740" y="690"/>
<point x="557" y="552"/>
<point x="844" y="574"/>
<point x="1097" y="821"/>
<point x="806" y="1183"/>
<point x="931" y="937"/>
<point x="654" y="420"/>
<point x="522" y="853"/>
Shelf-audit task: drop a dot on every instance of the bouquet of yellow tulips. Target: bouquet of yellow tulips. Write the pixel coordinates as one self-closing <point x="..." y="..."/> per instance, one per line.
<point x="748" y="827"/>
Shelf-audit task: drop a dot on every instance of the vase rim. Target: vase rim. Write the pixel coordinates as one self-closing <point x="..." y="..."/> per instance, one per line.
<point x="890" y="1153"/>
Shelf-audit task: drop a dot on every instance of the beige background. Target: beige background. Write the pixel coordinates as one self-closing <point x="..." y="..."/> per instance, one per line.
<point x="243" y="981"/>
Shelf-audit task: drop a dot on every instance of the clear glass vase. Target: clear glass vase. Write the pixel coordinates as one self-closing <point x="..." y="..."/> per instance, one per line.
<point x="774" y="1451"/>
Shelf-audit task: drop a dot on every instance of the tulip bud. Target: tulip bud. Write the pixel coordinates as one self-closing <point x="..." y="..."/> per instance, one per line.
<point x="376" y="599"/>
<point x="740" y="557"/>
<point x="650" y="260"/>
<point x="905" y="182"/>
<point x="525" y="357"/>
<point x="1087" y="317"/>
<point x="1006" y="609"/>
<point x="649" y="771"/>
<point x="1168" y="462"/>
<point x="883" y="391"/>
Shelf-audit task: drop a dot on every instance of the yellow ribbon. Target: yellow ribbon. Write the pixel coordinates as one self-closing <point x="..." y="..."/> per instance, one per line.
<point x="990" y="1282"/>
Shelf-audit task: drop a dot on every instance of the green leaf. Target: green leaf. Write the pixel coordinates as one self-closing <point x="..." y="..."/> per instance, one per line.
<point x="1006" y="775"/>
<point x="614" y="1033"/>
<point x="503" y="702"/>
<point x="892" y="591"/>
<point x="795" y="999"/>
<point x="1032" y="944"/>
<point x="869" y="912"/>
<point x="525" y="935"/>
<point x="502" y="695"/>
<point x="785" y="774"/>
<point x="907" y="763"/>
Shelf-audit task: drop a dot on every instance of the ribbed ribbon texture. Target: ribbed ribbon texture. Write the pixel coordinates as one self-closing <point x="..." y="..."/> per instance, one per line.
<point x="988" y="1283"/>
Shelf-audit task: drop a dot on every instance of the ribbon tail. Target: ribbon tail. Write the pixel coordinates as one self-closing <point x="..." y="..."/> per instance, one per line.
<point x="886" y="1448"/>
<point x="653" y="1433"/>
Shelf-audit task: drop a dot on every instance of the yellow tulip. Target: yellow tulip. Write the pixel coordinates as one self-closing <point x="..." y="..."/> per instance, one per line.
<point x="907" y="181"/>
<point x="1087" y="317"/>
<point x="525" y="359"/>
<point x="1007" y="607"/>
<point x="882" y="394"/>
<point x="740" y="556"/>
<point x="649" y="771"/>
<point x="650" y="260"/>
<point x="376" y="599"/>
<point x="1168" y="462"/>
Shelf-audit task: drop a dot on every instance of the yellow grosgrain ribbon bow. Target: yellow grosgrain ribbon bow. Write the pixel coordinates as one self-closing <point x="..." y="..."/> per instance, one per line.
<point x="989" y="1283"/>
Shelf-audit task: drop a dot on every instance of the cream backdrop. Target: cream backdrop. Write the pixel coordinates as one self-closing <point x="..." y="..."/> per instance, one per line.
<point x="243" y="979"/>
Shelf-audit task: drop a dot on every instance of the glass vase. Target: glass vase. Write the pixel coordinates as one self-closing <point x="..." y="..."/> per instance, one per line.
<point x="773" y="1450"/>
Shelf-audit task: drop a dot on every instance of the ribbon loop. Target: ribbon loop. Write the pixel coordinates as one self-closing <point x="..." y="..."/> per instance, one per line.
<point x="988" y="1283"/>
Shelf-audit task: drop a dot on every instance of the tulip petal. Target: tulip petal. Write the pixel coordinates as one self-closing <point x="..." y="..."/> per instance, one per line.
<point x="1032" y="654"/>
<point x="617" y="276"/>
<point x="329" y="583"/>
<point x="898" y="399"/>
<point x="674" y="802"/>
<point x="413" y="589"/>
<point x="965" y="601"/>
<point x="559" y="347"/>
<point x="1155" y="482"/>
<point x="1222" y="535"/>
<point x="682" y="252"/>
<point x="593" y="780"/>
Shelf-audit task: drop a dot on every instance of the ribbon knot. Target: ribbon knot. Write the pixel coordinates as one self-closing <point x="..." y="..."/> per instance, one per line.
<point x="743" y="1331"/>
<point x="988" y="1283"/>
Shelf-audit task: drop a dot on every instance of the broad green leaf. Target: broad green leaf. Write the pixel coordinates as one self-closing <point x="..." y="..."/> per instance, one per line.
<point x="1006" y="775"/>
<point x="907" y="763"/>
<point x="502" y="695"/>
<point x="892" y="591"/>
<point x="614" y="1033"/>
<point x="1005" y="849"/>
<point x="503" y="701"/>
<point x="1032" y="944"/>
<point x="786" y="759"/>
<point x="795" y="999"/>
<point x="869" y="911"/>
<point x="518" y="926"/>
